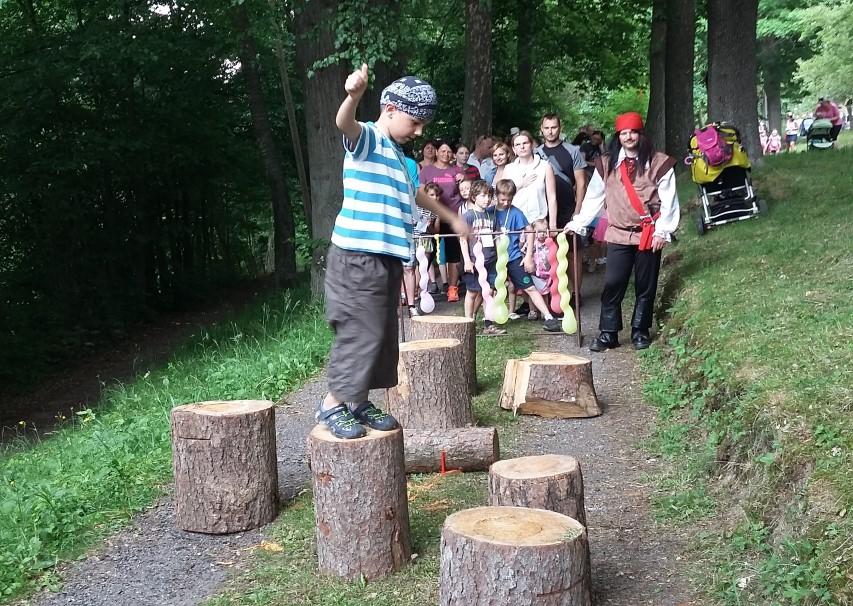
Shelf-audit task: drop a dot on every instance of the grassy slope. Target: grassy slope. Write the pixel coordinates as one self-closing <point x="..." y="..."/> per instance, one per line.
<point x="754" y="390"/>
<point x="63" y="493"/>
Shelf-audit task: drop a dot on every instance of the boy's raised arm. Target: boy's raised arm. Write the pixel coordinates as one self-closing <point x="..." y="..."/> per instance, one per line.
<point x="355" y="86"/>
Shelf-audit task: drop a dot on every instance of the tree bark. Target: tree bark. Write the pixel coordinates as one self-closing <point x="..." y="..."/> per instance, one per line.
<point x="732" y="67"/>
<point x="293" y="125"/>
<point x="550" y="385"/>
<point x="451" y="327"/>
<point x="431" y="392"/>
<point x="285" y="232"/>
<point x="477" y="102"/>
<point x="678" y="81"/>
<point x="224" y="460"/>
<point x="655" y="119"/>
<point x="360" y="503"/>
<point x="552" y="482"/>
<point x="324" y="91"/>
<point x="465" y="449"/>
<point x="526" y="11"/>
<point x="513" y="555"/>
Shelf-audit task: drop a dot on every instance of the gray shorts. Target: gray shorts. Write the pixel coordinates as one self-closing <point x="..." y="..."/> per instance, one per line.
<point x="362" y="296"/>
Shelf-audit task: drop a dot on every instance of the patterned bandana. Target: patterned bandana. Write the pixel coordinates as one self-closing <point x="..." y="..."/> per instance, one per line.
<point x="411" y="96"/>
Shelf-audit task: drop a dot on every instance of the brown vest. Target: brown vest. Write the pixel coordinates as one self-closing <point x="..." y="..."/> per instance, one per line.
<point x="623" y="221"/>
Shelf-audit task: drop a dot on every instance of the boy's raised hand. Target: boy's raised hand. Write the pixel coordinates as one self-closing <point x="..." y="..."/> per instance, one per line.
<point x="356" y="82"/>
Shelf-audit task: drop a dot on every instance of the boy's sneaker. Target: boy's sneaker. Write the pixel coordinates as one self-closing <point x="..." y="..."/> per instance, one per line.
<point x="433" y="288"/>
<point x="523" y="309"/>
<point x="492" y="330"/>
<point x="533" y="315"/>
<point x="340" y="421"/>
<point x="369" y="415"/>
<point x="514" y="316"/>
<point x="552" y="325"/>
<point x="452" y="294"/>
<point x="413" y="311"/>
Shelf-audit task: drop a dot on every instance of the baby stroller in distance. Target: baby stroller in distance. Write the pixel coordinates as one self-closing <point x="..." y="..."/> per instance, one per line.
<point x="819" y="135"/>
<point x="720" y="168"/>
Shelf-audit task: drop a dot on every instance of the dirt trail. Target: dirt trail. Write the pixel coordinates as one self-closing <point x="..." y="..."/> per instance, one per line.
<point x="152" y="564"/>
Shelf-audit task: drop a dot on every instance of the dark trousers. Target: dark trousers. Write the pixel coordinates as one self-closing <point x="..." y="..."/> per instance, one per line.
<point x="362" y="295"/>
<point x="621" y="260"/>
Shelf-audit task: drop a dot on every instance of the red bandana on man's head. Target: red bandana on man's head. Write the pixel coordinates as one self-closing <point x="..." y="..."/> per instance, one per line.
<point x="629" y="121"/>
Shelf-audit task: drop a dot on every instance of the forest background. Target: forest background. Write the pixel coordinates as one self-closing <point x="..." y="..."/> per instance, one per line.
<point x="155" y="152"/>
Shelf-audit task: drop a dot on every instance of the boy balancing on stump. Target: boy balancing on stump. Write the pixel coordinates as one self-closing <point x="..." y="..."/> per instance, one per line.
<point x="371" y="240"/>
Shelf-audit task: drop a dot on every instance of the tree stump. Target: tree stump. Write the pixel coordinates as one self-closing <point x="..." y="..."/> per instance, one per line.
<point x="550" y="385"/>
<point x="431" y="392"/>
<point x="452" y="327"/>
<point x="224" y="461"/>
<point x="360" y="503"/>
<point x="513" y="555"/>
<point x="552" y="482"/>
<point x="466" y="448"/>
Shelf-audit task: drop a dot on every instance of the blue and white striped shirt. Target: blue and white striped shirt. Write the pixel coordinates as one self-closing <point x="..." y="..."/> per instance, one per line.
<point x="376" y="215"/>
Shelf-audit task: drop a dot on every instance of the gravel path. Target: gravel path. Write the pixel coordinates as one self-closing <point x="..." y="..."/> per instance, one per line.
<point x="153" y="564"/>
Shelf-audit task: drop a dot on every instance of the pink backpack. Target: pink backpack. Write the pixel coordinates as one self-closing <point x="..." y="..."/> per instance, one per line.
<point x="711" y="145"/>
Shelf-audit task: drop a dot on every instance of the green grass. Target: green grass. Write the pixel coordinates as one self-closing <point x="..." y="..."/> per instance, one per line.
<point x="62" y="493"/>
<point x="289" y="577"/>
<point x="754" y="389"/>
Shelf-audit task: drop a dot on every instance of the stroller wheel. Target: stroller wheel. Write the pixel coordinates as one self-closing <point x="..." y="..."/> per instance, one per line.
<point x="762" y="206"/>
<point x="700" y="224"/>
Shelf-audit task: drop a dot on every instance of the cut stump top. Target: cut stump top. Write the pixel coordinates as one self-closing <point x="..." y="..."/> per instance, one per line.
<point x="321" y="432"/>
<point x="518" y="526"/>
<point x="524" y="468"/>
<point x="443" y="319"/>
<point x="545" y="357"/>
<point x="218" y="408"/>
<point x="429" y="344"/>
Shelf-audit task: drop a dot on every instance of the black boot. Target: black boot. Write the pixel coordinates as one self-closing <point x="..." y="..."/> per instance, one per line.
<point x="640" y="338"/>
<point x="604" y="341"/>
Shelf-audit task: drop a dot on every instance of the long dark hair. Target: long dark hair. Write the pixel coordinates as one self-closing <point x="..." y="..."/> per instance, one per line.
<point x="645" y="151"/>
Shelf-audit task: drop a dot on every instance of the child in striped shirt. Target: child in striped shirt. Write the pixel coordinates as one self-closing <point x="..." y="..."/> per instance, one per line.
<point x="371" y="240"/>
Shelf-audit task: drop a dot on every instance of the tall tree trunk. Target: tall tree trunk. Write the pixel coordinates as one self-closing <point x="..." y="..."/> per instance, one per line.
<point x="773" y="93"/>
<point x="678" y="82"/>
<point x="285" y="234"/>
<point x="526" y="18"/>
<point x="292" y="124"/>
<point x="655" y="119"/>
<point x="323" y="94"/>
<point x="477" y="103"/>
<point x="732" y="67"/>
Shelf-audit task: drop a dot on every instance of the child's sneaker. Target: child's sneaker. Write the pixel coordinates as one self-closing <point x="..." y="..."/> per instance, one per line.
<point x="523" y="309"/>
<point x="369" y="415"/>
<point x="492" y="330"/>
<point x="514" y="316"/>
<point x="340" y="421"/>
<point x="413" y="311"/>
<point x="452" y="294"/>
<point x="433" y="288"/>
<point x="552" y="325"/>
<point x="533" y="315"/>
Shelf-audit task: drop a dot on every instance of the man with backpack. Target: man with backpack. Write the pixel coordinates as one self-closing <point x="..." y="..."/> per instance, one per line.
<point x="569" y="169"/>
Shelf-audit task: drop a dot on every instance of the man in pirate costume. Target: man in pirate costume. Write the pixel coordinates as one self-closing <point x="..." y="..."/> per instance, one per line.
<point x="636" y="186"/>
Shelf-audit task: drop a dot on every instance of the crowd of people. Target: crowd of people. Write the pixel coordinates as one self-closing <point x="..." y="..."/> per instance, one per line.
<point x="450" y="211"/>
<point x="796" y="127"/>
<point x="548" y="179"/>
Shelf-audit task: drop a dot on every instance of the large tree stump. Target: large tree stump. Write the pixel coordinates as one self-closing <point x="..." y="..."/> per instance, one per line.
<point x="360" y="503"/>
<point x="452" y="327"/>
<point x="431" y="392"/>
<point x="552" y="482"/>
<point x="513" y="555"/>
<point x="466" y="448"/>
<point x="550" y="385"/>
<point x="224" y="460"/>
